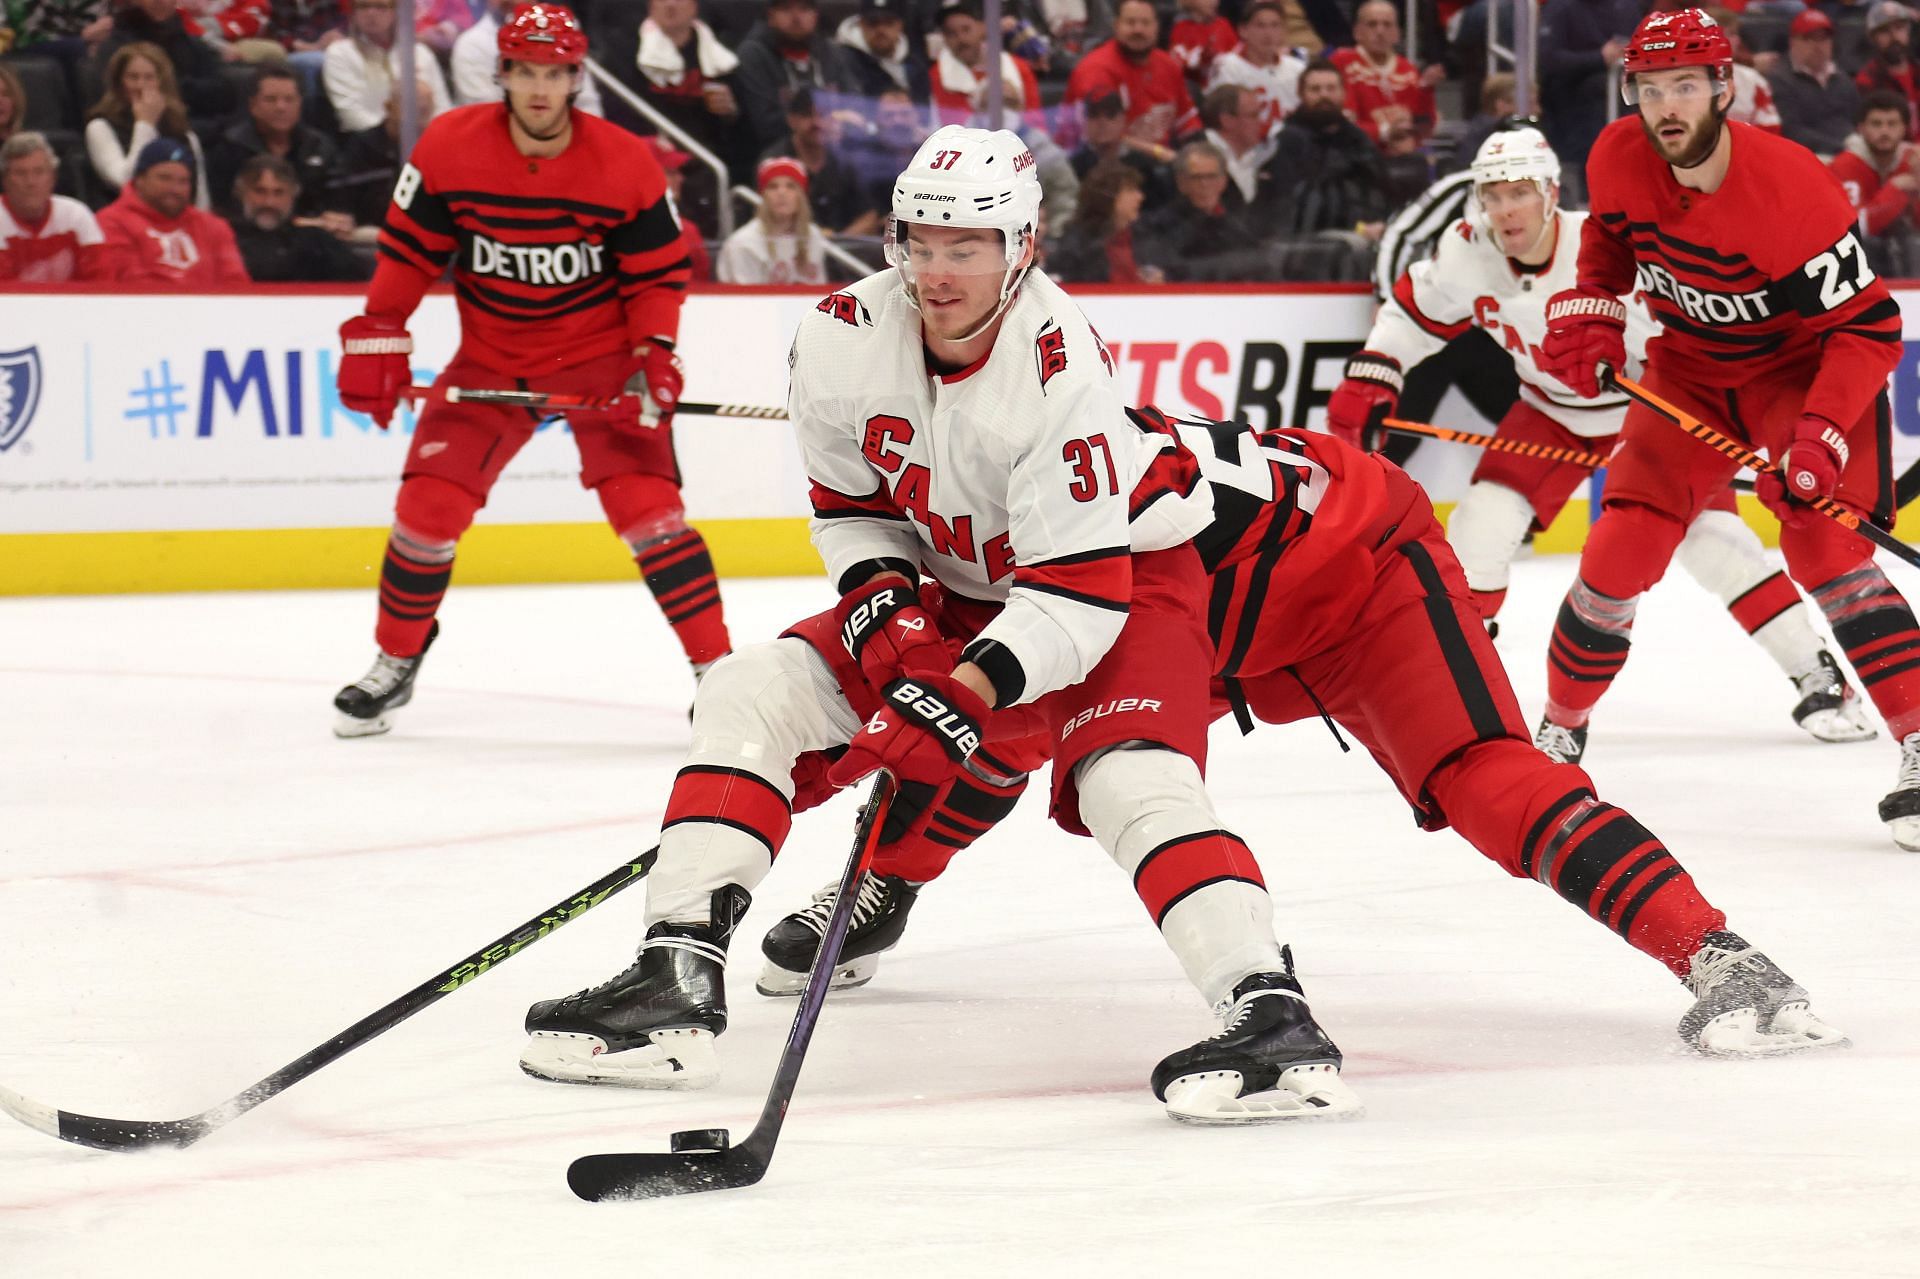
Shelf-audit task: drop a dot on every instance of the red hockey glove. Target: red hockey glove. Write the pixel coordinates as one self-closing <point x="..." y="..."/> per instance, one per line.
<point x="1811" y="469"/>
<point x="887" y="631"/>
<point x="655" y="382"/>
<point x="924" y="732"/>
<point x="1586" y="328"/>
<point x="1370" y="394"/>
<point x="374" y="368"/>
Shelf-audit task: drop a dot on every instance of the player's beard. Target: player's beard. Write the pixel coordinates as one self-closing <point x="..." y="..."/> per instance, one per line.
<point x="1697" y="147"/>
<point x="563" y="120"/>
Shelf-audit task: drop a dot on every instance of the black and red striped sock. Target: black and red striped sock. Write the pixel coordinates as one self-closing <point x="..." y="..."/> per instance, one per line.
<point x="1591" y="639"/>
<point x="679" y="571"/>
<point x="1875" y="626"/>
<point x="413" y="579"/>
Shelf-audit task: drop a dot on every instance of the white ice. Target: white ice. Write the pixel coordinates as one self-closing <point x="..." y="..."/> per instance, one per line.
<point x="199" y="883"/>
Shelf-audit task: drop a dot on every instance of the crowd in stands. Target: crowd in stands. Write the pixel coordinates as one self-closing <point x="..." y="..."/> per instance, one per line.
<point x="211" y="142"/>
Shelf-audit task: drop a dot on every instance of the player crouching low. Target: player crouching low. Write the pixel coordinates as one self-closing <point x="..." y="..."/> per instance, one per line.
<point x="1497" y="270"/>
<point x="957" y="417"/>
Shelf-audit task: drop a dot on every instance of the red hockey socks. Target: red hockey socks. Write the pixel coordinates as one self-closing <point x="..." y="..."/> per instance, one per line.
<point x="1591" y="638"/>
<point x="679" y="571"/>
<point x="1875" y="625"/>
<point x="429" y="516"/>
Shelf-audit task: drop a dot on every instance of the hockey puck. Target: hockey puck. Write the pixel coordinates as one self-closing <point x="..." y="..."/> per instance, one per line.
<point x="695" y="1140"/>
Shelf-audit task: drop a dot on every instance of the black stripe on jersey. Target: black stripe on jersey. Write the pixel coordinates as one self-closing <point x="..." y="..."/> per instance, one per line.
<point x="1082" y="557"/>
<point x="1482" y="709"/>
<point x="551" y="296"/>
<point x="431" y="212"/>
<point x="558" y="222"/>
<point x="1611" y="219"/>
<point x="651" y="228"/>
<point x="642" y="277"/>
<point x="481" y="304"/>
<point x="1682" y="266"/>
<point x="1880" y="313"/>
<point x="1078" y="597"/>
<point x="1697" y="250"/>
<point x="482" y="199"/>
<point x="429" y="267"/>
<point x="412" y="242"/>
<point x="856" y="513"/>
<point x="1762" y="343"/>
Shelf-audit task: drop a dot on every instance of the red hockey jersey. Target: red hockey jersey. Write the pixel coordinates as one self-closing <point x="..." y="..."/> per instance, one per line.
<point x="1763" y="274"/>
<point x="1871" y="191"/>
<point x="556" y="261"/>
<point x="1378" y="95"/>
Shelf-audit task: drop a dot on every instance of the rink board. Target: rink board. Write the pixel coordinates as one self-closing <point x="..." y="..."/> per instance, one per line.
<point x="155" y="442"/>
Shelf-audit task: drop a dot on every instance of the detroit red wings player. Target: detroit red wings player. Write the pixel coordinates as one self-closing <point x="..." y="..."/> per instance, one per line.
<point x="1776" y="331"/>
<point x="570" y="270"/>
<point x="1496" y="270"/>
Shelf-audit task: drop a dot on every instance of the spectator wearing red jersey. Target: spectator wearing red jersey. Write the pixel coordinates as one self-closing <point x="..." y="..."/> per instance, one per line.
<point x="1148" y="79"/>
<point x="1890" y="33"/>
<point x="959" y="78"/>
<point x="1386" y="94"/>
<point x="237" y="29"/>
<point x="44" y="238"/>
<point x="1879" y="167"/>
<point x="154" y="234"/>
<point x="1199" y="36"/>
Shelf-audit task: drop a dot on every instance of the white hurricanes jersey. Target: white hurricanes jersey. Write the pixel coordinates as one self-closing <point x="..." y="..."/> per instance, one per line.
<point x="1014" y="480"/>
<point x="1469" y="282"/>
<point x="1277" y="85"/>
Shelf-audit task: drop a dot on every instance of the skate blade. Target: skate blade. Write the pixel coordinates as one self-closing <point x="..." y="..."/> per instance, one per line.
<point x="1841" y="724"/>
<point x="676" y="1059"/>
<point x="776" y="982"/>
<point x="1906" y="833"/>
<point x="1794" y="1029"/>
<point x="1213" y="1098"/>
<point x="345" y="725"/>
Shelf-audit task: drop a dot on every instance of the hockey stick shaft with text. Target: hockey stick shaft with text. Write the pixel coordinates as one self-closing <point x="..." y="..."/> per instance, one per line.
<point x="1525" y="448"/>
<point x="1759" y="465"/>
<point x="560" y="401"/>
<point x="140" y="1134"/>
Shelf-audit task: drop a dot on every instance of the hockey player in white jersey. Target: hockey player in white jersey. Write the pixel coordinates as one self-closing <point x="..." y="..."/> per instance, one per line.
<point x="1496" y="270"/>
<point x="957" y="416"/>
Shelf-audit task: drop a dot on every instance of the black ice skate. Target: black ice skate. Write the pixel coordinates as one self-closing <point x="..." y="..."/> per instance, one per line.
<point x="364" y="707"/>
<point x="652" y="1025"/>
<point x="1744" y="1006"/>
<point x="1558" y="743"/>
<point x="1272" y="1062"/>
<point x="1900" y="810"/>
<point x="879" y="917"/>
<point x="1829" y="709"/>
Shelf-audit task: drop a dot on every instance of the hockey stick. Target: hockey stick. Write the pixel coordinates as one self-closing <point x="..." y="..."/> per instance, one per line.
<point x="140" y="1134"/>
<point x="1546" y="452"/>
<point x="704" y="1158"/>
<point x="560" y="401"/>
<point x="1760" y="466"/>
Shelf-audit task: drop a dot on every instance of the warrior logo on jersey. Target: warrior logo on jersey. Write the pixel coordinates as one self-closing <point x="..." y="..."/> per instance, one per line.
<point x="845" y="308"/>
<point x="1705" y="306"/>
<point x="19" y="393"/>
<point x="548" y="264"/>
<point x="1052" y="348"/>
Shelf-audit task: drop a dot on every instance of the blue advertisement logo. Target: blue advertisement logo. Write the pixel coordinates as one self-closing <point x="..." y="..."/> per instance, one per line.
<point x="20" y="381"/>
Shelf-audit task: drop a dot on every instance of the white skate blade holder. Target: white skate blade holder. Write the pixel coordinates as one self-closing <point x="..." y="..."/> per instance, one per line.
<point x="1302" y="1092"/>
<point x="1845" y="723"/>
<point x="345" y="725"/>
<point x="681" y="1058"/>
<point x="1737" y="1033"/>
<point x="1906" y="833"/>
<point x="778" y="983"/>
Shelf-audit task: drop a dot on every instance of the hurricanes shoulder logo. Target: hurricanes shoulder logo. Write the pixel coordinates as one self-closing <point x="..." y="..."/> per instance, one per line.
<point x="19" y="393"/>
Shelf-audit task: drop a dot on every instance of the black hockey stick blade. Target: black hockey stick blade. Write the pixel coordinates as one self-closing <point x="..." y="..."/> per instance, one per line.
<point x="142" y="1134"/>
<point x="704" y="1158"/>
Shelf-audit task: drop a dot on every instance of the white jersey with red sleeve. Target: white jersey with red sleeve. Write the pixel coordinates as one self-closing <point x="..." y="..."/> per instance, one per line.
<point x="1277" y="86"/>
<point x="1753" y="100"/>
<point x="1013" y="480"/>
<point x="1468" y="283"/>
<point x="64" y="245"/>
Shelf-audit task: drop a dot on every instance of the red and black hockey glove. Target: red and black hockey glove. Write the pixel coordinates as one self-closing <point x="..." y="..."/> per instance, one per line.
<point x="1586" y="328"/>
<point x="1811" y="469"/>
<point x="926" y="729"/>
<point x="1367" y="396"/>
<point x="655" y="381"/>
<point x="887" y="631"/>
<point x="374" y="368"/>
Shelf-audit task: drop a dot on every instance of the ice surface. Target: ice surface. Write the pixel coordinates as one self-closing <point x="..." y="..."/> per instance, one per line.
<point x="199" y="883"/>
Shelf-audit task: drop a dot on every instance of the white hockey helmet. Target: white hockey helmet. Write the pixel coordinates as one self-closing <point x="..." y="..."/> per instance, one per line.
<point x="1517" y="155"/>
<point x="965" y="177"/>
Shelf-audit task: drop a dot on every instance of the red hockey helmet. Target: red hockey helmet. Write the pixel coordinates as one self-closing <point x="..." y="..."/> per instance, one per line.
<point x="1680" y="38"/>
<point x="543" y="32"/>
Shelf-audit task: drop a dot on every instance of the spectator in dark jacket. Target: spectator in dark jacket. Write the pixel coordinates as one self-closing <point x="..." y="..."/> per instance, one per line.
<point x="1196" y="237"/>
<point x="1338" y="183"/>
<point x="1096" y="246"/>
<point x="1581" y="43"/>
<point x="786" y="54"/>
<point x="271" y="125"/>
<point x="278" y="247"/>
<point x="878" y="53"/>
<point x="1816" y="99"/>
<point x="1104" y="138"/>
<point x="196" y="67"/>
<point x="1890" y="32"/>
